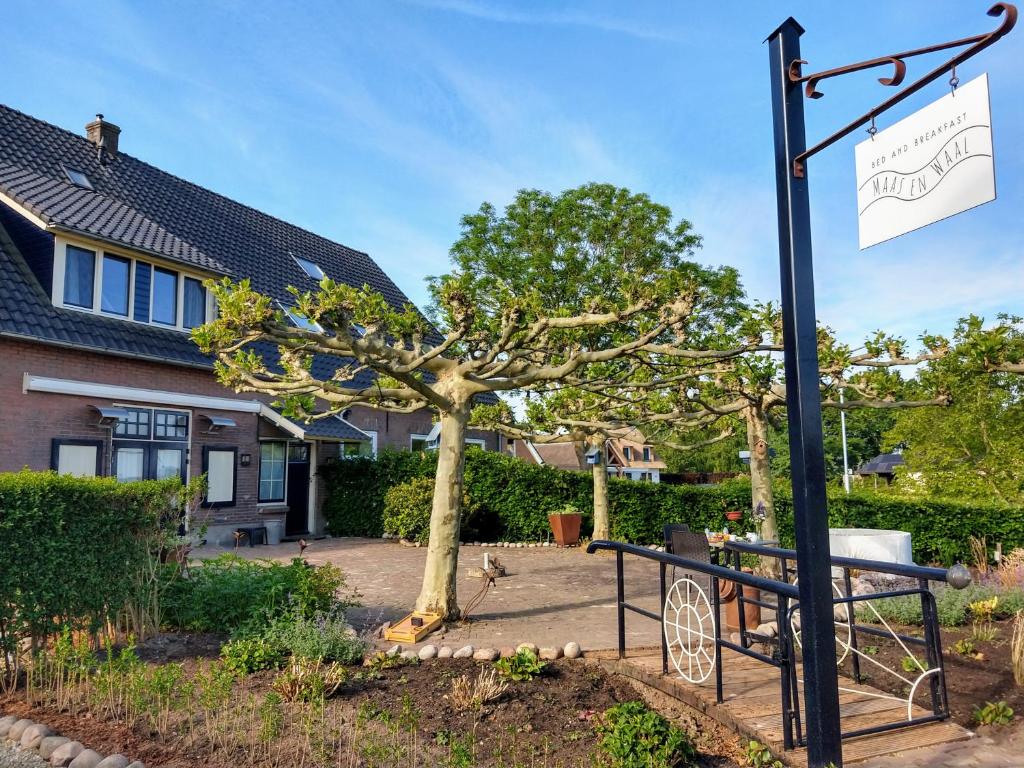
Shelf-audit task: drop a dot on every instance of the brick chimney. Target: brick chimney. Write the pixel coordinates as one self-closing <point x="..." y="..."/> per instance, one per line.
<point x="103" y="135"/>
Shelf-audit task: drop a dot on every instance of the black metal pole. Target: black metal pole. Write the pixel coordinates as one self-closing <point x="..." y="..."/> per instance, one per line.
<point x="803" y="403"/>
<point x="620" y="597"/>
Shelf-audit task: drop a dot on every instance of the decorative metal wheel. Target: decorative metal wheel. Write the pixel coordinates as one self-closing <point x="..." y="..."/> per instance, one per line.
<point x="689" y="626"/>
<point x="841" y="616"/>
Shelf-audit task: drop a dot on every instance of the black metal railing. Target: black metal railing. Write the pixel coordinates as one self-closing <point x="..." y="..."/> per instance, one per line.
<point x="784" y="644"/>
<point x="784" y="592"/>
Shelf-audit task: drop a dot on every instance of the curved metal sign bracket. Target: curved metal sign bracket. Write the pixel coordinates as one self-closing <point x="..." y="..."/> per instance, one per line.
<point x="977" y="44"/>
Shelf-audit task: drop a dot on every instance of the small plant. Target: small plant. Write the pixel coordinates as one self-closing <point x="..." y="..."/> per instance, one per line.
<point x="252" y="654"/>
<point x="965" y="647"/>
<point x="870" y="650"/>
<point x="983" y="612"/>
<point x="633" y="736"/>
<point x="524" y="665"/>
<point x="568" y="509"/>
<point x="325" y="635"/>
<point x="310" y="680"/>
<point x="993" y="713"/>
<point x="979" y="554"/>
<point x="910" y="664"/>
<point x="271" y="715"/>
<point x="760" y="756"/>
<point x="466" y="695"/>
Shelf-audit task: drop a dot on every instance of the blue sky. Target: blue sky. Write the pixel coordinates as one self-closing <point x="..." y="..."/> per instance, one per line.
<point x="379" y="124"/>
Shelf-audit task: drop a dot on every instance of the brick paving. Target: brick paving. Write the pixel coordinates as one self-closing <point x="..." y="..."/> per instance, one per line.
<point x="550" y="597"/>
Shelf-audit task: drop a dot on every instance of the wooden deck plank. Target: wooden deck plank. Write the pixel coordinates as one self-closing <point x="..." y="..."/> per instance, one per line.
<point x="752" y="707"/>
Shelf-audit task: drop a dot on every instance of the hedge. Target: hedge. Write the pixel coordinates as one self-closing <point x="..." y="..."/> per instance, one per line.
<point x="510" y="500"/>
<point x="71" y="548"/>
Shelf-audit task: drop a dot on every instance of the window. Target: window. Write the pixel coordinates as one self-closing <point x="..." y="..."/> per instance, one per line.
<point x="311" y="269"/>
<point x="272" y="467"/>
<point x="117" y="273"/>
<point x="81" y="458"/>
<point x="301" y="322"/>
<point x="77" y="178"/>
<point x="129" y="463"/>
<point x="134" y="425"/>
<point x="219" y="466"/>
<point x="170" y="425"/>
<point x="474" y="442"/>
<point x="418" y="443"/>
<point x="79" y="274"/>
<point x="647" y="453"/>
<point x="627" y="452"/>
<point x="194" y="309"/>
<point x="165" y="297"/>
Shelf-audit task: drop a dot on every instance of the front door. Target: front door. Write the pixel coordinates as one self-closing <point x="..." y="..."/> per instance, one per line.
<point x="296" y="522"/>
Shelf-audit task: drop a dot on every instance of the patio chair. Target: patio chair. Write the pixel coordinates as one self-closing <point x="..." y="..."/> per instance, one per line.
<point x="681" y="541"/>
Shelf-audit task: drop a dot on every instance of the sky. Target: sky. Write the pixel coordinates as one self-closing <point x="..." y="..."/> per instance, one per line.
<point x="380" y="123"/>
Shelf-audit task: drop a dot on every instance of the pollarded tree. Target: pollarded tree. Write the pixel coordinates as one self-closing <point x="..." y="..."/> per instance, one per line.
<point x="535" y="295"/>
<point x="748" y="391"/>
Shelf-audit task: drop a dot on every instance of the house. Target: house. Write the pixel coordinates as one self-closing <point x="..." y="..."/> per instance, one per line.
<point x="882" y="466"/>
<point x="102" y="263"/>
<point x="629" y="456"/>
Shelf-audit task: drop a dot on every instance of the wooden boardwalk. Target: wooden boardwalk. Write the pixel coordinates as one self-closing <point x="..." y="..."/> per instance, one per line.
<point x="752" y="706"/>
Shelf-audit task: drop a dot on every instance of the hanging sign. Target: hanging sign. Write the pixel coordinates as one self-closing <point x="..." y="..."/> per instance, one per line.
<point x="931" y="165"/>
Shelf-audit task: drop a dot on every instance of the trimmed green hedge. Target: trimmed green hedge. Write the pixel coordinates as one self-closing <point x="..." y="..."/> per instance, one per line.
<point x="70" y="548"/>
<point x="510" y="500"/>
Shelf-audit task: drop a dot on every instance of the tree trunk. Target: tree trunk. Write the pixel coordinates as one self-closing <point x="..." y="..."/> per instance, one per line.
<point x="437" y="595"/>
<point x="602" y="522"/>
<point x="761" y="480"/>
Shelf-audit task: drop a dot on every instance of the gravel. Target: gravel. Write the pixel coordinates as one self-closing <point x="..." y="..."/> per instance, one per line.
<point x="10" y="757"/>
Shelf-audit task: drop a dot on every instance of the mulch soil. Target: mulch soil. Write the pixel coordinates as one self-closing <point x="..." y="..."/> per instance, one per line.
<point x="404" y="717"/>
<point x="970" y="681"/>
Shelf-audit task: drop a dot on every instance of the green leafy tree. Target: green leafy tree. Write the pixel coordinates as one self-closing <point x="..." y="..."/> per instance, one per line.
<point x="974" y="448"/>
<point x="535" y="295"/>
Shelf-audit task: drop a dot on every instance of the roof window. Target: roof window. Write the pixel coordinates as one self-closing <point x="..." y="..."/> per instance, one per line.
<point x="77" y="178"/>
<point x="299" y="321"/>
<point x="311" y="269"/>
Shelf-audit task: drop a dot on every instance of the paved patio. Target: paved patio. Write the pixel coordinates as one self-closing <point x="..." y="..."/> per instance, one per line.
<point x="550" y="596"/>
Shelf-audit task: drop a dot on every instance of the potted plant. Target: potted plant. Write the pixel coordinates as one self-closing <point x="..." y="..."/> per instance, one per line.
<point x="565" y="524"/>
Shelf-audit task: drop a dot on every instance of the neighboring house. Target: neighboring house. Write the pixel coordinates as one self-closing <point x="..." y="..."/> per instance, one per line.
<point x="629" y="456"/>
<point x="882" y="466"/>
<point x="102" y="263"/>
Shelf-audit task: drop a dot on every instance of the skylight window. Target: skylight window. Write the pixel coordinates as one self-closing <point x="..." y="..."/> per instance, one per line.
<point x="301" y="322"/>
<point x="311" y="269"/>
<point x="78" y="178"/>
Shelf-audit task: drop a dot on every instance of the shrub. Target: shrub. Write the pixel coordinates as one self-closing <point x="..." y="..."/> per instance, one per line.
<point x="633" y="736"/>
<point x="466" y="694"/>
<point x="523" y="665"/>
<point x="952" y="605"/>
<point x="407" y="509"/>
<point x="245" y="597"/>
<point x="310" y="680"/>
<point x="510" y="501"/>
<point x="325" y="636"/>
<point x="252" y="654"/>
<point x="72" y="550"/>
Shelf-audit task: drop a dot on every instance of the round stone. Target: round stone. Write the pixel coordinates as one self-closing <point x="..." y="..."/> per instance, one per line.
<point x="572" y="651"/>
<point x="5" y="725"/>
<point x="114" y="761"/>
<point x="87" y="758"/>
<point x="34" y="734"/>
<point x="444" y="652"/>
<point x="14" y="734"/>
<point x="527" y="647"/>
<point x="409" y="655"/>
<point x="486" y="654"/>
<point x="49" y="745"/>
<point x="465" y="652"/>
<point x="550" y="654"/>
<point x="506" y="652"/>
<point x="427" y="652"/>
<point x="65" y="753"/>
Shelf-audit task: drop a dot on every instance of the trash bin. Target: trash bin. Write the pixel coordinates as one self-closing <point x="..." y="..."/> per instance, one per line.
<point x="275" y="529"/>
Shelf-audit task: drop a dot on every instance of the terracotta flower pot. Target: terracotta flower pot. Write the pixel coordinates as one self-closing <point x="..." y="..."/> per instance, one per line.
<point x="566" y="529"/>
<point x="734" y="515"/>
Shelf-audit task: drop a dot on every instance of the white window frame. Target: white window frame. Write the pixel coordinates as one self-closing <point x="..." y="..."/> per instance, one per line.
<point x="302" y="265"/>
<point x="414" y="437"/>
<point x="60" y="266"/>
<point x="259" y="464"/>
<point x="478" y="441"/>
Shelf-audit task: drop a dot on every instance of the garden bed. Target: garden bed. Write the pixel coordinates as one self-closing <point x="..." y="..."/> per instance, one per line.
<point x="380" y="717"/>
